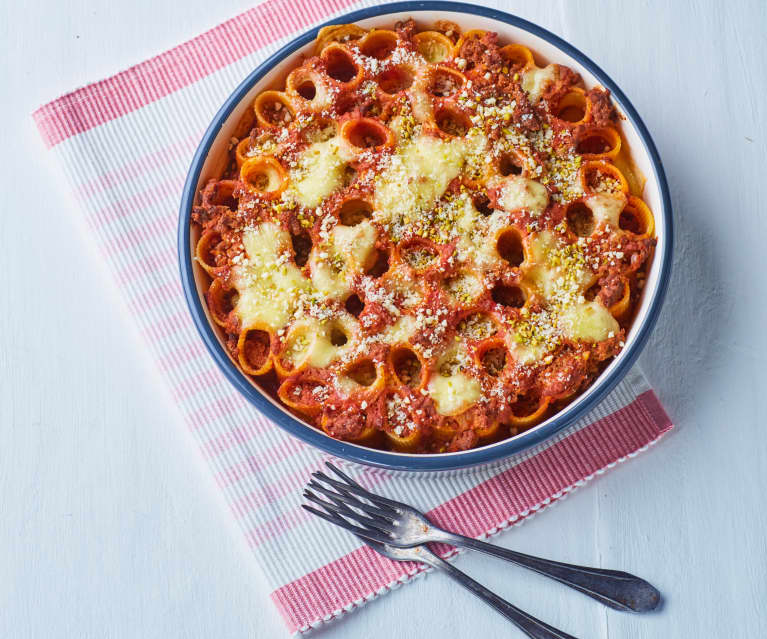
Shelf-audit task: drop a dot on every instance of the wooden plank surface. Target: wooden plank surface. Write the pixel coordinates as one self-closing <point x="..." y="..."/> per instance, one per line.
<point x="110" y="526"/>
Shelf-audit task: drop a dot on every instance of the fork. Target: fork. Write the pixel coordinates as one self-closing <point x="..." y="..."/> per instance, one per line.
<point x="532" y="627"/>
<point x="396" y="524"/>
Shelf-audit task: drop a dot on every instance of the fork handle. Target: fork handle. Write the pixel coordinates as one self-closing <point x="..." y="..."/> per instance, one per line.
<point x="532" y="627"/>
<point x="618" y="590"/>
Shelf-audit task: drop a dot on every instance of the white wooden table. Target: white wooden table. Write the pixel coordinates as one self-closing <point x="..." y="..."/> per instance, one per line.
<point x="109" y="524"/>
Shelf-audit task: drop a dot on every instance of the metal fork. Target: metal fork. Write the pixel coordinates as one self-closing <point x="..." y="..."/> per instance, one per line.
<point x="398" y="525"/>
<point x="532" y="627"/>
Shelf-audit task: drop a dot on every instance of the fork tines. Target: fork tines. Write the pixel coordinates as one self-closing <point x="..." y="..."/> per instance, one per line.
<point x="350" y="506"/>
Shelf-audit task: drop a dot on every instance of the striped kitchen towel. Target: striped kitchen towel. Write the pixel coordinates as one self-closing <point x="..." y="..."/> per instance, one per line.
<point x="125" y="144"/>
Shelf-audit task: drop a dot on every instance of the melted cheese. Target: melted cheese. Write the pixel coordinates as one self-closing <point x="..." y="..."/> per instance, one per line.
<point x="479" y="250"/>
<point x="558" y="274"/>
<point x="401" y="331"/>
<point x="517" y="192"/>
<point x="320" y="171"/>
<point x="467" y="217"/>
<point x="269" y="285"/>
<point x="539" y="245"/>
<point x="524" y="353"/>
<point x="346" y="385"/>
<point x="349" y="251"/>
<point x="323" y="350"/>
<point x="549" y="274"/>
<point x="329" y="274"/>
<point x="475" y="237"/>
<point x="356" y="244"/>
<point x="297" y="344"/>
<point x="400" y="285"/>
<point x="452" y="390"/>
<point x="453" y="394"/>
<point x="311" y="341"/>
<point x="464" y="287"/>
<point x="607" y="208"/>
<point x="589" y="321"/>
<point x="417" y="176"/>
<point x="535" y="81"/>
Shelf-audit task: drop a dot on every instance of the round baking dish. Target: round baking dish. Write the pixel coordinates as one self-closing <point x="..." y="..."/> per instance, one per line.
<point x="550" y="48"/>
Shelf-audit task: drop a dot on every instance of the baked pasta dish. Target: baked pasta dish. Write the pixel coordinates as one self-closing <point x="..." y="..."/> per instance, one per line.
<point x="423" y="239"/>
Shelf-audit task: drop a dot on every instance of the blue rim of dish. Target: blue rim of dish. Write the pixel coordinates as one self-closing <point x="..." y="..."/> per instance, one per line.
<point x="387" y="459"/>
